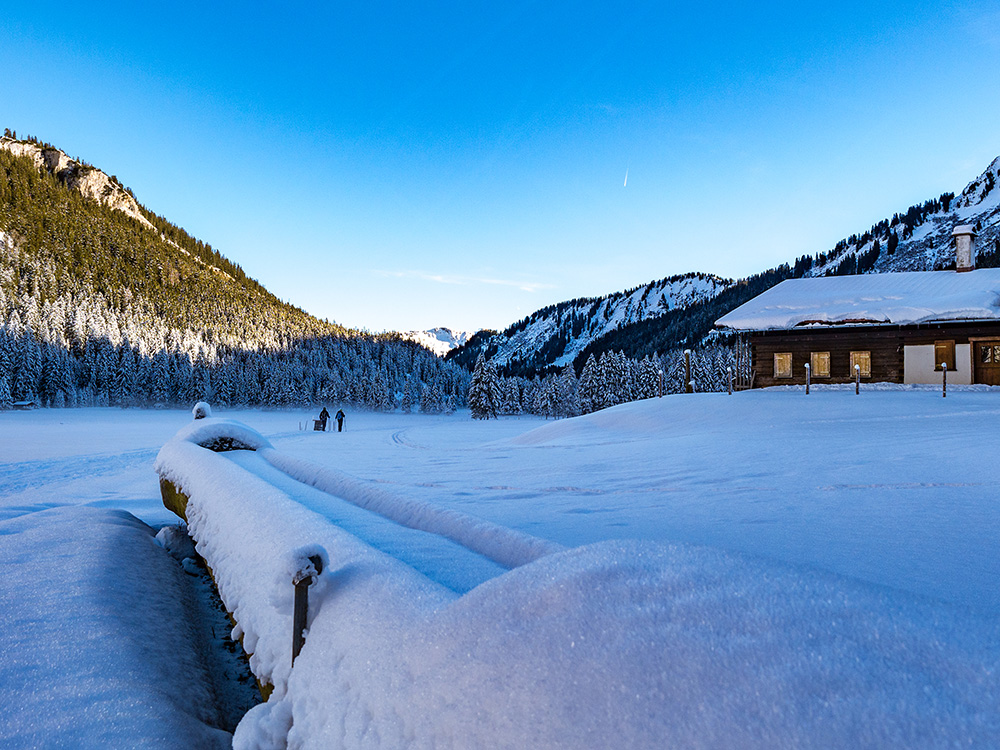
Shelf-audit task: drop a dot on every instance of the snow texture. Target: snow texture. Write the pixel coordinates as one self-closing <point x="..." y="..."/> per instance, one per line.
<point x="897" y="298"/>
<point x="761" y="570"/>
<point x="96" y="649"/>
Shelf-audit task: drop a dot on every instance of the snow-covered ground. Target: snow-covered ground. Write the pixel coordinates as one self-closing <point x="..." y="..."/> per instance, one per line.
<point x="761" y="570"/>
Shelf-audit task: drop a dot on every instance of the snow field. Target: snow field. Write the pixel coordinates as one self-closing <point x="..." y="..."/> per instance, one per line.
<point x="614" y="644"/>
<point x="762" y="570"/>
<point x="895" y="487"/>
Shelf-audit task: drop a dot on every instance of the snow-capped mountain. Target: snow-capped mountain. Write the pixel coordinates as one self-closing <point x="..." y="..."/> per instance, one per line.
<point x="439" y="340"/>
<point x="125" y="308"/>
<point x="920" y="238"/>
<point x="681" y="311"/>
<point x="555" y="335"/>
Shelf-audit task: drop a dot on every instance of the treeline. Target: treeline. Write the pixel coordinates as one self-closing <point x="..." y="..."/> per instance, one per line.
<point x="319" y="371"/>
<point x="77" y="351"/>
<point x="607" y="380"/>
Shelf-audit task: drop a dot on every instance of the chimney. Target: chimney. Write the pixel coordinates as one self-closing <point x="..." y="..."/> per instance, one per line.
<point x="965" y="247"/>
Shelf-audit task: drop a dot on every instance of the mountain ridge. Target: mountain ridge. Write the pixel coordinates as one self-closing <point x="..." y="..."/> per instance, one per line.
<point x="918" y="239"/>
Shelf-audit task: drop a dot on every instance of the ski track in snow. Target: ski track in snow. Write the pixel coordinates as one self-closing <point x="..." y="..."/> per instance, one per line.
<point x="399" y="439"/>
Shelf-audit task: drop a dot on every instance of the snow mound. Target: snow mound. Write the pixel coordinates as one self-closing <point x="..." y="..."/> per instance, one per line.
<point x="637" y="419"/>
<point x="641" y="645"/>
<point x="219" y="434"/>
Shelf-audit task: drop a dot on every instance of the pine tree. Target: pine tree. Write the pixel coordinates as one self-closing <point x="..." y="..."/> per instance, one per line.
<point x="406" y="405"/>
<point x="484" y="392"/>
<point x="567" y="393"/>
<point x="589" y="388"/>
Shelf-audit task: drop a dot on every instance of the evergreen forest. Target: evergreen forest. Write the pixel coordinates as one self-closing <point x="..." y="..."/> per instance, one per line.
<point x="100" y="308"/>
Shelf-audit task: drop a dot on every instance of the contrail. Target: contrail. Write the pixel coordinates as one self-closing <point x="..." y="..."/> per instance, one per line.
<point x="626" y="177"/>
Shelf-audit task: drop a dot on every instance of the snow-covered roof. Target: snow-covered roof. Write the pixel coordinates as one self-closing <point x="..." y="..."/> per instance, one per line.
<point x="887" y="298"/>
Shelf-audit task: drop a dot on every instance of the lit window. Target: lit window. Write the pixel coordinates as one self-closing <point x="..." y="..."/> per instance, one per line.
<point x="783" y="365"/>
<point x="819" y="364"/>
<point x="944" y="353"/>
<point x="864" y="361"/>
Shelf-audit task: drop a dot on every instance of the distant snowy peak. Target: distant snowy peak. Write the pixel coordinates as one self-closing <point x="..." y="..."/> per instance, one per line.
<point x="89" y="181"/>
<point x="438" y="340"/>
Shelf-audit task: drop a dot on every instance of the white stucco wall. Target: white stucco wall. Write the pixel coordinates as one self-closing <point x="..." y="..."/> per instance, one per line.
<point x="918" y="365"/>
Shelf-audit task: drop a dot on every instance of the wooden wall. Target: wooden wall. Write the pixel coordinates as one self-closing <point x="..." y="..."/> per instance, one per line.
<point x="884" y="342"/>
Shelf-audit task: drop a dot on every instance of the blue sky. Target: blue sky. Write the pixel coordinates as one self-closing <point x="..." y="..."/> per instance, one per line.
<point x="394" y="166"/>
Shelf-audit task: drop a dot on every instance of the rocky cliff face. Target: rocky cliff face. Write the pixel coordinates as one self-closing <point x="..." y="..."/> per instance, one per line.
<point x="90" y="181"/>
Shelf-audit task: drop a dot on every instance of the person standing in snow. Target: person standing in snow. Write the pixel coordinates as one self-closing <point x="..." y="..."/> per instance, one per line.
<point x="340" y="420"/>
<point x="324" y="417"/>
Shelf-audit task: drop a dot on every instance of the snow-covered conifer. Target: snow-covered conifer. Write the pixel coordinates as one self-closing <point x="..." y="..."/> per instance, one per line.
<point x="484" y="392"/>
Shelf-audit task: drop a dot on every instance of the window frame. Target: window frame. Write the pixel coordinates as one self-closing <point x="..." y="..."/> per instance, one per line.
<point x="814" y="359"/>
<point x="858" y="354"/>
<point x="782" y="374"/>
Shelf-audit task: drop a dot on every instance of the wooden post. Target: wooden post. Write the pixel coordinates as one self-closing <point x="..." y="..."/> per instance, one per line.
<point x="303" y="579"/>
<point x="661" y="383"/>
<point x="857" y="379"/>
<point x="808" y="372"/>
<point x="687" y="372"/>
<point x="729" y="371"/>
<point x="944" y="380"/>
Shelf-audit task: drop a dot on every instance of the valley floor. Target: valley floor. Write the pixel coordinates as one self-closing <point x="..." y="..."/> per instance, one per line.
<point x="889" y="498"/>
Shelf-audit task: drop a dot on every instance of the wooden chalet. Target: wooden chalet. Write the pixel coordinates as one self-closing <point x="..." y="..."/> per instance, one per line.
<point x="894" y="327"/>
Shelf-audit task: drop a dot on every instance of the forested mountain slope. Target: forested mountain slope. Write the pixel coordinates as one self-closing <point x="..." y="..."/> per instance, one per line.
<point x="103" y="301"/>
<point x="556" y="335"/>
